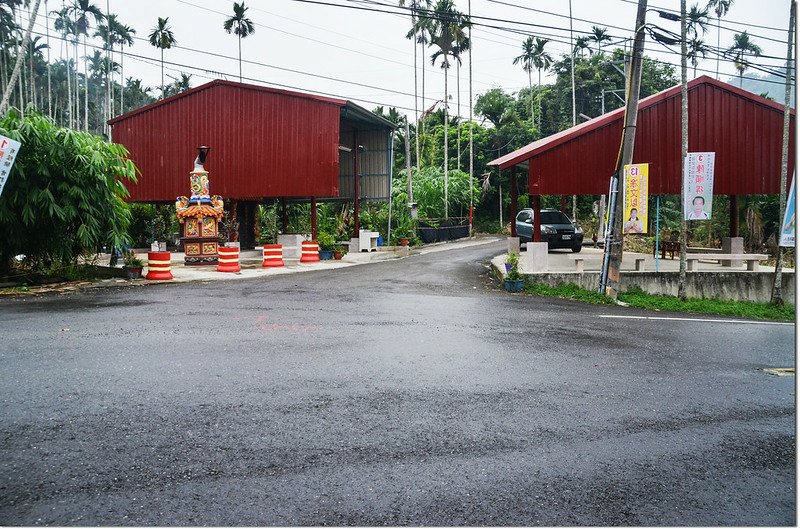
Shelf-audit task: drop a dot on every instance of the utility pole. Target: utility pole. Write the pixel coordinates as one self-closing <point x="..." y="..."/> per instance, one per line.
<point x="612" y="253"/>
<point x="471" y="166"/>
<point x="684" y="152"/>
<point x="777" y="294"/>
<point x="410" y="190"/>
<point x="574" y="115"/>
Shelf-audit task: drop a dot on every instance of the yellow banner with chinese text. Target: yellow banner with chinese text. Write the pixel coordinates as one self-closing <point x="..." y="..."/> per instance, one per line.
<point x="635" y="205"/>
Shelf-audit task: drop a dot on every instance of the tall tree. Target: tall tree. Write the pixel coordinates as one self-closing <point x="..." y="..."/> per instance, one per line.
<point x="8" y="32"/>
<point x="697" y="21"/>
<point x="415" y="6"/>
<point x="526" y="59"/>
<point x="599" y="35"/>
<point x="721" y="8"/>
<point x="742" y="47"/>
<point x="20" y="55"/>
<point x="449" y="37"/>
<point x="123" y="35"/>
<point x="84" y="13"/>
<point x="241" y="26"/>
<point x="105" y="33"/>
<point x="542" y="61"/>
<point x="696" y="49"/>
<point x="162" y="37"/>
<point x="35" y="56"/>
<point x="64" y="24"/>
<point x="581" y="45"/>
<point x="49" y="79"/>
<point x="696" y="24"/>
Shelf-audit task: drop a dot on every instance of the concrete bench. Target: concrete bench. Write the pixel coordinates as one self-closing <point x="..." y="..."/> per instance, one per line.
<point x="579" y="259"/>
<point x="752" y="259"/>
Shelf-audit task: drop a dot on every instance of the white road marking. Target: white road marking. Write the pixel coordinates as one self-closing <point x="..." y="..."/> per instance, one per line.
<point x="694" y="319"/>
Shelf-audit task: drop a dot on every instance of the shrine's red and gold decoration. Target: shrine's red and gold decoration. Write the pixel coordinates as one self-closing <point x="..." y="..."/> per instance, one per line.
<point x="200" y="215"/>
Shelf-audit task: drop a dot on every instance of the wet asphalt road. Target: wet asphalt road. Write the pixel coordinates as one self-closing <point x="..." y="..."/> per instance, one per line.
<point x="404" y="392"/>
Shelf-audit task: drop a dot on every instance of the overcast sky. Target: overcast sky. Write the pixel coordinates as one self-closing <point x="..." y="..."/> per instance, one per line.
<point x="369" y="47"/>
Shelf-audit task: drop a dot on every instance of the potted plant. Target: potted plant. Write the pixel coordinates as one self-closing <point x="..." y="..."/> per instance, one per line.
<point x="229" y="230"/>
<point x="327" y="243"/>
<point x="339" y="252"/>
<point x="132" y="264"/>
<point x="513" y="281"/>
<point x="403" y="231"/>
<point x="511" y="260"/>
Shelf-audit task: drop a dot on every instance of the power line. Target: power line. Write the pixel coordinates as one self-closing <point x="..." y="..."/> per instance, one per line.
<point x="427" y="14"/>
<point x="731" y="21"/>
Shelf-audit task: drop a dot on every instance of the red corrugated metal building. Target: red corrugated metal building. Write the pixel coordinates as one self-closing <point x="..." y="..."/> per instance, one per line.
<point x="745" y="131"/>
<point x="265" y="143"/>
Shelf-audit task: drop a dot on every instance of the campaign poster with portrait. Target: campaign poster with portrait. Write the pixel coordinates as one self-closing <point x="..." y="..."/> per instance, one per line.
<point x="8" y="153"/>
<point x="788" y="224"/>
<point x="635" y="205"/>
<point x="698" y="171"/>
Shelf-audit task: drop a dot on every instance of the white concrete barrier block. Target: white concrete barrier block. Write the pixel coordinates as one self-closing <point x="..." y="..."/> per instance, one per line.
<point x="513" y="244"/>
<point x="534" y="261"/>
<point x="291" y="243"/>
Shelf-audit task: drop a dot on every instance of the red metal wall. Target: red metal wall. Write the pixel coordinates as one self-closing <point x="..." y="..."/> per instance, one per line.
<point x="745" y="133"/>
<point x="264" y="143"/>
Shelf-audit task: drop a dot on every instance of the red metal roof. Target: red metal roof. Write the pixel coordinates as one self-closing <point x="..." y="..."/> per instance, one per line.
<point x="745" y="130"/>
<point x="264" y="142"/>
<point x="220" y="82"/>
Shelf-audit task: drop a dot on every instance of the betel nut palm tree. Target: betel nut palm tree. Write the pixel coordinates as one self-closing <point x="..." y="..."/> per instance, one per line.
<point x="721" y="8"/>
<point x="122" y="35"/>
<point x="696" y="24"/>
<point x="526" y="59"/>
<point x="542" y="61"/>
<point x="415" y="6"/>
<point x="162" y="37"/>
<point x="64" y="25"/>
<point x="599" y="35"/>
<point x="742" y="47"/>
<point x="84" y="13"/>
<point x="450" y="39"/>
<point x="241" y="26"/>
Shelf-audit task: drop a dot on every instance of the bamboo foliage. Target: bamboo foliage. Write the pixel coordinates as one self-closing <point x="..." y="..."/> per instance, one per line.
<point x="64" y="195"/>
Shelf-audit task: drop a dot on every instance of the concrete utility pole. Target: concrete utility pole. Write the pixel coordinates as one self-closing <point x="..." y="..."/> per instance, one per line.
<point x="612" y="253"/>
<point x="471" y="166"/>
<point x="777" y="294"/>
<point x="684" y="151"/>
<point x="574" y="116"/>
<point x="410" y="190"/>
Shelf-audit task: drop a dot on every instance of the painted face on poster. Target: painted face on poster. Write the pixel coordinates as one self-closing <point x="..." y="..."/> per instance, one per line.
<point x="699" y="185"/>
<point x="8" y="153"/>
<point x="636" y="195"/>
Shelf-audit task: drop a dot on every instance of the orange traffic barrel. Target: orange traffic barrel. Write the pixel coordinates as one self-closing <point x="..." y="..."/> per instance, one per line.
<point x="273" y="255"/>
<point x="158" y="266"/>
<point x="228" y="259"/>
<point x="309" y="252"/>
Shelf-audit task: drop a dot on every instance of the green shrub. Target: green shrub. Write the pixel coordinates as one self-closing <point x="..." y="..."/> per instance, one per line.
<point x="64" y="195"/>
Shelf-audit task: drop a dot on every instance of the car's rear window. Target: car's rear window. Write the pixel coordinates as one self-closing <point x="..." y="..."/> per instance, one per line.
<point x="554" y="217"/>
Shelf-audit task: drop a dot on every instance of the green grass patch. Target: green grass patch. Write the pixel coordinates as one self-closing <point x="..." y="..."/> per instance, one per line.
<point x="567" y="291"/>
<point x="635" y="297"/>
